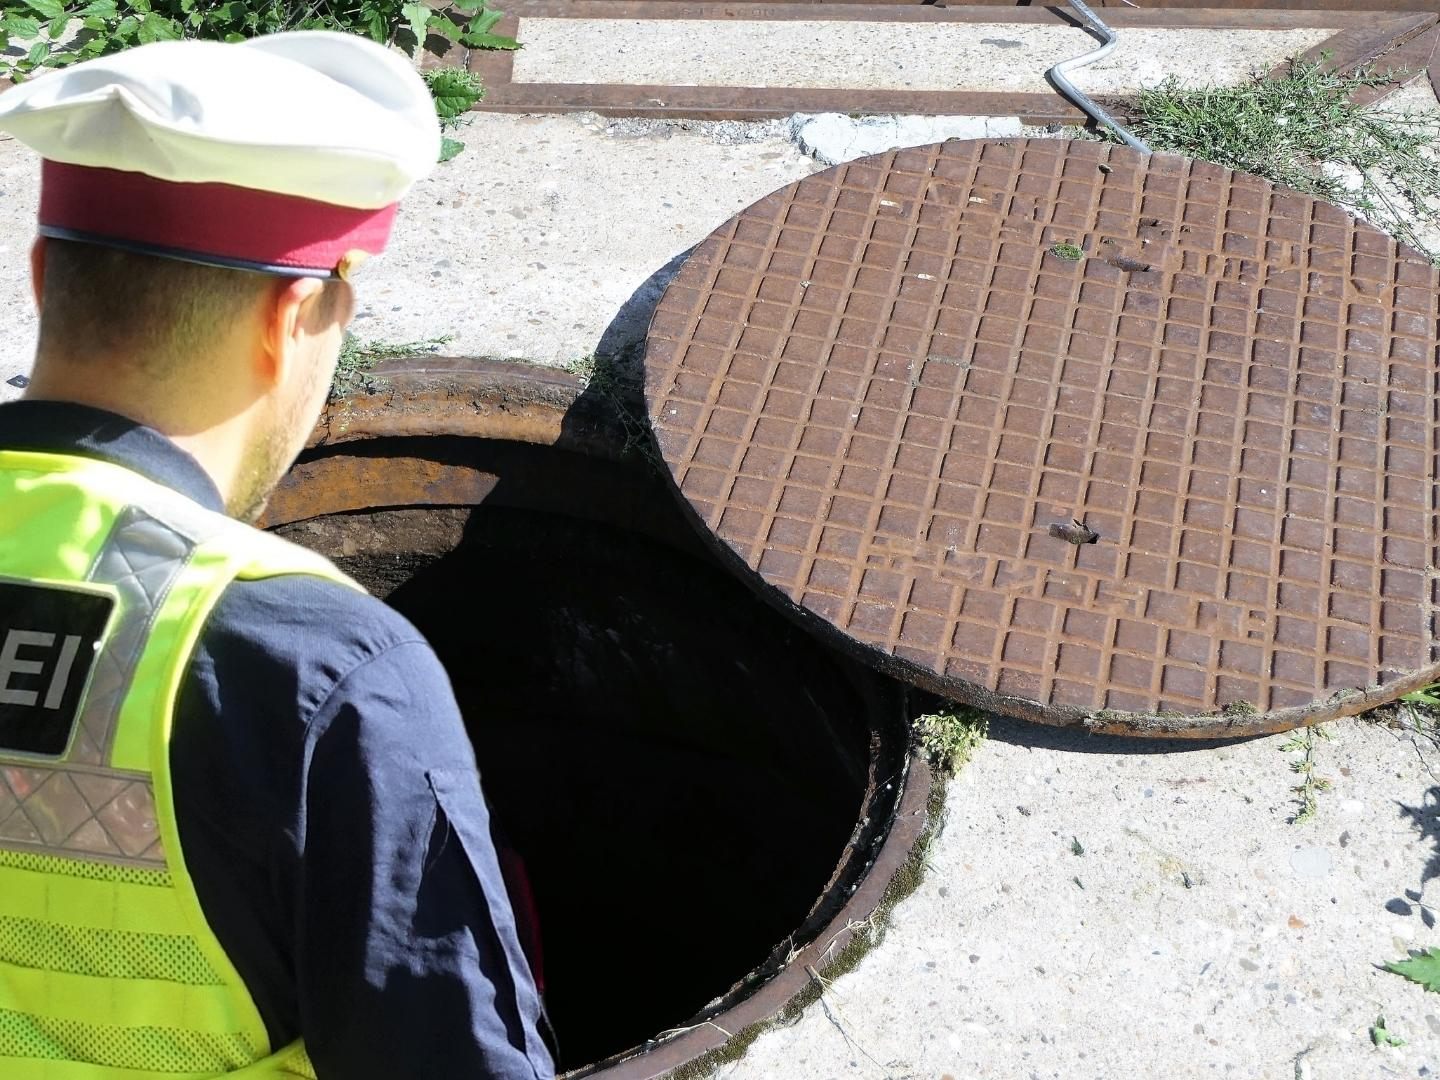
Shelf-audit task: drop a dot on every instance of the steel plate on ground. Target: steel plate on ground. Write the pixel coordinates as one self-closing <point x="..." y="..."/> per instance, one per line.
<point x="1071" y="433"/>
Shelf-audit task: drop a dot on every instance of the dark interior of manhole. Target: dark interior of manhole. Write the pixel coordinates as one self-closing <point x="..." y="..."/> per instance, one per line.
<point x="680" y="769"/>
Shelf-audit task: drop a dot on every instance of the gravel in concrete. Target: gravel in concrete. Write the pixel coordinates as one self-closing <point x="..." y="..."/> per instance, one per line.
<point x="534" y="246"/>
<point x="884" y="55"/>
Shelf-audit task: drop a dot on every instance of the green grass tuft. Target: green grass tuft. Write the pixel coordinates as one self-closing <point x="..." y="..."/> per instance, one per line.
<point x="949" y="738"/>
<point x="1303" y="131"/>
<point x="355" y="367"/>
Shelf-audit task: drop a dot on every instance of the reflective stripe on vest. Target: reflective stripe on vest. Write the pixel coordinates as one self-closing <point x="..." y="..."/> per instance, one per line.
<point x="108" y="969"/>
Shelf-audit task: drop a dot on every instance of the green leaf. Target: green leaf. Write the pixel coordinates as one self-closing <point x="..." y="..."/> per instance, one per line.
<point x="1429" y="695"/>
<point x="451" y="149"/>
<point x="38" y="52"/>
<point x="99" y="9"/>
<point x="489" y="41"/>
<point x="418" y="16"/>
<point x="157" y="28"/>
<point x="46" y="9"/>
<point x="454" y="92"/>
<point x="21" y="26"/>
<point x="1422" y="967"/>
<point x="56" y="30"/>
<point x="484" y="22"/>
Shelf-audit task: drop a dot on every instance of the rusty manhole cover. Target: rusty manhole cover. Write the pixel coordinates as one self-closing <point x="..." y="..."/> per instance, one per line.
<point x="1181" y="484"/>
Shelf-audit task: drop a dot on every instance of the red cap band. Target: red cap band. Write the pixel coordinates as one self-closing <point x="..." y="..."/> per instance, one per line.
<point x="210" y="222"/>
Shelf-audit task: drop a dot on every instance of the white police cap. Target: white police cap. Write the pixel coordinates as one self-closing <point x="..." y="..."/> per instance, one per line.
<point x="287" y="153"/>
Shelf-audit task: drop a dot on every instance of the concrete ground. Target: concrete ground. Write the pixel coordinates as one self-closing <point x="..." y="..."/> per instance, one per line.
<point x="1198" y="935"/>
<point x="1093" y="908"/>
<point x="889" y="56"/>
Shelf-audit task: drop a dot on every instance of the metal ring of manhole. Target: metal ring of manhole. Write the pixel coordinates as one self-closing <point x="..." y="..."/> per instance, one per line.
<point x="1071" y="433"/>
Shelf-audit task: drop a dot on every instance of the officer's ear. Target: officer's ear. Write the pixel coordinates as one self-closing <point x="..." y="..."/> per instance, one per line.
<point x="290" y="316"/>
<point x="37" y="271"/>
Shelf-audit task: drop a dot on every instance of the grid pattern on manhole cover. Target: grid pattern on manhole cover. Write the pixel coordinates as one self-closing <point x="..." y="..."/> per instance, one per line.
<point x="888" y="391"/>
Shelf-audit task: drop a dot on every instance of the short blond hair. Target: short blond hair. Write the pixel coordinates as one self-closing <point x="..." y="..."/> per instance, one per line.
<point x="159" y="312"/>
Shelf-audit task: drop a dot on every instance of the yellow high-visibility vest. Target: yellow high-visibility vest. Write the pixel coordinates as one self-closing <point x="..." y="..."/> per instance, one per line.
<point x="108" y="968"/>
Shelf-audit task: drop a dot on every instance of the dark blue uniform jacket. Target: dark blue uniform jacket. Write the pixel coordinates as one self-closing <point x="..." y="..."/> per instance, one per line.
<point x="330" y="812"/>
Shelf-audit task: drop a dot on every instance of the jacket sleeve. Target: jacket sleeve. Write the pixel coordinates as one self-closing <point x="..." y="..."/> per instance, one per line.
<point x="407" y="958"/>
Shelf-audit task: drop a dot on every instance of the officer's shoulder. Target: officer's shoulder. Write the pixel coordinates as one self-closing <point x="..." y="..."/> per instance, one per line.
<point x="294" y="616"/>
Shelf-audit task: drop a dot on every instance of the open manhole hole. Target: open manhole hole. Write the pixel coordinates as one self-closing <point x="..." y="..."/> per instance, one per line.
<point x="705" y="797"/>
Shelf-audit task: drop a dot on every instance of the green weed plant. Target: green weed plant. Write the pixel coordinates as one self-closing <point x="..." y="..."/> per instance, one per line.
<point x="1303" y="131"/>
<point x="1307" y="791"/>
<point x="950" y="737"/>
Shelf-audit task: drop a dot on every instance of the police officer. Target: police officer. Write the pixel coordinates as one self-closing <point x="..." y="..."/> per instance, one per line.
<point x="241" y="828"/>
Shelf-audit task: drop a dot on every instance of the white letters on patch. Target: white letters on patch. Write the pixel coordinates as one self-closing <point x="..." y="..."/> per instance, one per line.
<point x="12" y="664"/>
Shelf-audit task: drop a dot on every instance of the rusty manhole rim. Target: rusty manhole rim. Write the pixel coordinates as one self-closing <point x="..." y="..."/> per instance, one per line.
<point x="738" y="304"/>
<point x="510" y="402"/>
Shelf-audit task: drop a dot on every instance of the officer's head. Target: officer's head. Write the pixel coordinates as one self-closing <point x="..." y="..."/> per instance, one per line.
<point x="204" y="208"/>
<point x="190" y="348"/>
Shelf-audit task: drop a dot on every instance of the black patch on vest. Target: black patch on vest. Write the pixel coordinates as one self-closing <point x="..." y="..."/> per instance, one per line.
<point x="49" y="641"/>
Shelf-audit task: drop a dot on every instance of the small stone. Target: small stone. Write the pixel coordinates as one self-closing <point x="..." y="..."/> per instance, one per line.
<point x="1248" y="964"/>
<point x="20" y="382"/>
<point x="1310" y="862"/>
<point x="831" y="138"/>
